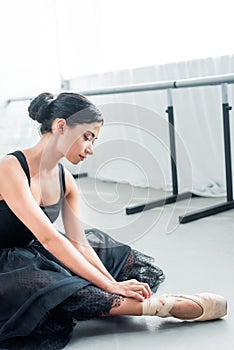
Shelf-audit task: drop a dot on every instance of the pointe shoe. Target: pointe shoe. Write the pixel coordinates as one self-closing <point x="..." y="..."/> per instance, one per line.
<point x="214" y="306"/>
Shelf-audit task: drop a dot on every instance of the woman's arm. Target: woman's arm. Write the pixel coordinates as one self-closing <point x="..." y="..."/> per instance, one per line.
<point x="16" y="193"/>
<point x="73" y="226"/>
<point x="89" y="253"/>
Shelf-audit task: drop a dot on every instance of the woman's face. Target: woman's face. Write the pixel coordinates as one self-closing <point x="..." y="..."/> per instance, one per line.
<point x="77" y="141"/>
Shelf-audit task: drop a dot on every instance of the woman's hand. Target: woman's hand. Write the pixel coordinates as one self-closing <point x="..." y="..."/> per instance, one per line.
<point x="131" y="289"/>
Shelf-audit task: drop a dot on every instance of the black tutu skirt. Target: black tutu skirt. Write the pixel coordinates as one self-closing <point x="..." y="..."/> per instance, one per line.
<point x="42" y="301"/>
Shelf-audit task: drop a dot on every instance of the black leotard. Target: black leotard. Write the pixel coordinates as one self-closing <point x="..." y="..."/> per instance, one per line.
<point x="12" y="231"/>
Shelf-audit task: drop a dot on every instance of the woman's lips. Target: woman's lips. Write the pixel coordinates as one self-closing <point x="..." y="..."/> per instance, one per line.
<point x="81" y="157"/>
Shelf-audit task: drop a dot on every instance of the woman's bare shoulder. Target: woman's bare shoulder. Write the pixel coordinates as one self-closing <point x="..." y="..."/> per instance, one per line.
<point x="9" y="168"/>
<point x="12" y="176"/>
<point x="9" y="163"/>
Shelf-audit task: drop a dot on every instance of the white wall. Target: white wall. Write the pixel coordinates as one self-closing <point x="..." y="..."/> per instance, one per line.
<point x="29" y="62"/>
<point x="133" y="145"/>
<point x="17" y="130"/>
<point x="198" y="122"/>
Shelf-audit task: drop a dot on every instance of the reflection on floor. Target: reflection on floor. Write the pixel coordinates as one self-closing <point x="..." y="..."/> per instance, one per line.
<point x="197" y="256"/>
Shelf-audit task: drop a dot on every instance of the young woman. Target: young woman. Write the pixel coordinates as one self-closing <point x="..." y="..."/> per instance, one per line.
<point x="50" y="280"/>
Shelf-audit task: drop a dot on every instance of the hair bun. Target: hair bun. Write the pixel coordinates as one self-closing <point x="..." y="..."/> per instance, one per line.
<point x="38" y="109"/>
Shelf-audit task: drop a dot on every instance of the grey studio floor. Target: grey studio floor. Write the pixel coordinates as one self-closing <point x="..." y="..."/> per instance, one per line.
<point x="196" y="257"/>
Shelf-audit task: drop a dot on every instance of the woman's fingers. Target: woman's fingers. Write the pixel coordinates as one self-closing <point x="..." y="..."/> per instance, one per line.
<point x="131" y="289"/>
<point x="143" y="288"/>
<point x="140" y="288"/>
<point x="147" y="289"/>
<point x="135" y="295"/>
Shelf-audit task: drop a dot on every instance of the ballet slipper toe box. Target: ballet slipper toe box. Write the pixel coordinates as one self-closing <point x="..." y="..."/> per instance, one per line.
<point x="214" y="306"/>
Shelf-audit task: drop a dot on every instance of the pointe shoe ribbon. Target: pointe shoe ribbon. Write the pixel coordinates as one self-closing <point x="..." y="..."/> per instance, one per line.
<point x="155" y="306"/>
<point x="214" y="306"/>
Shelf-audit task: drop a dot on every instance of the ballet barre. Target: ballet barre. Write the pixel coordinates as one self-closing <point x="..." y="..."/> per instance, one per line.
<point x="223" y="81"/>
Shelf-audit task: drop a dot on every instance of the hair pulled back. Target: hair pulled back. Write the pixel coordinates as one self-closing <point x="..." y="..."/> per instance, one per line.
<point x="74" y="108"/>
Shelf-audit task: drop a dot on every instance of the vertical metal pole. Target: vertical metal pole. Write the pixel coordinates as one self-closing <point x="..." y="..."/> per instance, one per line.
<point x="170" y="113"/>
<point x="227" y="141"/>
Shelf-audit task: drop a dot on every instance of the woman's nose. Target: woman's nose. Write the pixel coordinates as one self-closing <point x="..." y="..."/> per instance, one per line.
<point x="89" y="149"/>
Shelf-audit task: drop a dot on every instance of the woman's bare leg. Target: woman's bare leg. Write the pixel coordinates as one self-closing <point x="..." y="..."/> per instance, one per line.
<point x="185" y="309"/>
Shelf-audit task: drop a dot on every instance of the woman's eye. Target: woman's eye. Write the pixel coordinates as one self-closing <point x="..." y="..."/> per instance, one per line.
<point x="86" y="138"/>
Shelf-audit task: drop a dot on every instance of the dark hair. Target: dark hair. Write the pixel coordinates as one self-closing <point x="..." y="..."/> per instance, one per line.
<point x="75" y="108"/>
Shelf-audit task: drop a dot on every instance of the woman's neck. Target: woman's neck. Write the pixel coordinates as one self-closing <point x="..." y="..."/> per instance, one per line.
<point x="43" y="155"/>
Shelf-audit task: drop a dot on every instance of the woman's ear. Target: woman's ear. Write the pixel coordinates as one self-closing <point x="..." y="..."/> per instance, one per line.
<point x="61" y="125"/>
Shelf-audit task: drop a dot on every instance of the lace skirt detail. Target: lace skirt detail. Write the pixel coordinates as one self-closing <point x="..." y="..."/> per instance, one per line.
<point x="54" y="330"/>
<point x="141" y="267"/>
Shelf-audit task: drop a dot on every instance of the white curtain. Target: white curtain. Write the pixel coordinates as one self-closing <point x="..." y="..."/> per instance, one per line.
<point x="134" y="142"/>
<point x="97" y="36"/>
<point x="133" y="146"/>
